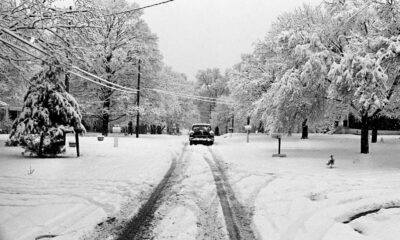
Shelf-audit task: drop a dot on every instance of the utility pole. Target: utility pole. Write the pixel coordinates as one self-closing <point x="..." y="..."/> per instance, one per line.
<point x="210" y="95"/>
<point x="67" y="75"/>
<point x="137" y="100"/>
<point x="66" y="83"/>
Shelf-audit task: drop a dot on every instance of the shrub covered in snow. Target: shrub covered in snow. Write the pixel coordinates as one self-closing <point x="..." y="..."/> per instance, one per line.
<point x="48" y="112"/>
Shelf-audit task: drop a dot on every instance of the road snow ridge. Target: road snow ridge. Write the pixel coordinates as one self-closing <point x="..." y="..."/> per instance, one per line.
<point x="238" y="220"/>
<point x="139" y="226"/>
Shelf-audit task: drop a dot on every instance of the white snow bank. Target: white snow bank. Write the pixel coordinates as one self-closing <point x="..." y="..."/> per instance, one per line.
<point x="68" y="196"/>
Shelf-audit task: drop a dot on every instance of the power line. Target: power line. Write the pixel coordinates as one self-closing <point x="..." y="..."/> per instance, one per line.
<point x="131" y="90"/>
<point x="117" y="86"/>
<point x="140" y="8"/>
<point x="77" y="68"/>
<point x="103" y="80"/>
<point x="101" y="84"/>
<point x="195" y="97"/>
<point x="24" y="41"/>
<point x="22" y="50"/>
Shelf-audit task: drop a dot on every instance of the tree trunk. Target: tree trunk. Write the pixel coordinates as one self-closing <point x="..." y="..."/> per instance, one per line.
<point x="40" y="153"/>
<point x="304" y="133"/>
<point x="106" y="116"/>
<point x="374" y="137"/>
<point x="107" y="95"/>
<point x="364" y="134"/>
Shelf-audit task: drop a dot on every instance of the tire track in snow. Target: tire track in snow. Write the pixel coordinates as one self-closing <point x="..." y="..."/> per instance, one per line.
<point x="192" y="187"/>
<point x="238" y="220"/>
<point x="139" y="226"/>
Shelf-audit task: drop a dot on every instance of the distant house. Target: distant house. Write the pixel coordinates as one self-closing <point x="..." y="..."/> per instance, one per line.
<point x="352" y="125"/>
<point x="8" y="114"/>
<point x="385" y="123"/>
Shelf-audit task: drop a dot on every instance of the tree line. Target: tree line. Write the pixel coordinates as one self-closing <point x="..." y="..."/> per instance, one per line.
<point x="64" y="63"/>
<point x="316" y="65"/>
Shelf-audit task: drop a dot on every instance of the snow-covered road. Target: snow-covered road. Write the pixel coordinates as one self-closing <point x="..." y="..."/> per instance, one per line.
<point x="192" y="209"/>
<point x="201" y="203"/>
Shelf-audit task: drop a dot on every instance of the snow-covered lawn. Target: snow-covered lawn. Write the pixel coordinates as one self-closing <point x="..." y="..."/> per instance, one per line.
<point x="68" y="196"/>
<point x="296" y="197"/>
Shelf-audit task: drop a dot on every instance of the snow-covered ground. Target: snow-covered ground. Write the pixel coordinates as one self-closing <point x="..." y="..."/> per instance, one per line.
<point x="69" y="196"/>
<point x="296" y="197"/>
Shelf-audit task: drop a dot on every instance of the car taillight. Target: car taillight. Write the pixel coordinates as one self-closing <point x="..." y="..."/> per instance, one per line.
<point x="191" y="133"/>
<point x="211" y="133"/>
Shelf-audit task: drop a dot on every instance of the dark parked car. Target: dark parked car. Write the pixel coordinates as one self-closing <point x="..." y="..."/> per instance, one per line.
<point x="201" y="133"/>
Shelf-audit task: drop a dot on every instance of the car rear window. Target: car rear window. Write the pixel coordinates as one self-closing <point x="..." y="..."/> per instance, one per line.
<point x="201" y="127"/>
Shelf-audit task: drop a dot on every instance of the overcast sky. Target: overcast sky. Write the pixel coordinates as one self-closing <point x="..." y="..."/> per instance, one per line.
<point x="200" y="34"/>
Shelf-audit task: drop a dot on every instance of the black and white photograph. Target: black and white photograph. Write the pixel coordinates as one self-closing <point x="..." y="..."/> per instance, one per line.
<point x="199" y="119"/>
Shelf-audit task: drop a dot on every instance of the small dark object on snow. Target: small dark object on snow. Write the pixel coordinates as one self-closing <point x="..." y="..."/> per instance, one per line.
<point x="331" y="162"/>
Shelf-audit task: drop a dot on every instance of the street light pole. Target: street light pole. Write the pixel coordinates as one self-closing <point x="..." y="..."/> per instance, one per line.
<point x="209" y="94"/>
<point x="137" y="101"/>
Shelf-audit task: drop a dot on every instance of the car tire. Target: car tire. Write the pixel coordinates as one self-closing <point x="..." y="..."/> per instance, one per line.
<point x="190" y="143"/>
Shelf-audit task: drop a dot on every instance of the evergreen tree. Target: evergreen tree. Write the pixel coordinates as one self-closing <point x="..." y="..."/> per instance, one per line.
<point x="48" y="112"/>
